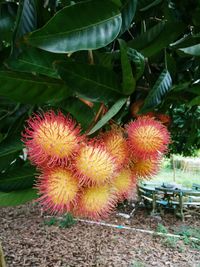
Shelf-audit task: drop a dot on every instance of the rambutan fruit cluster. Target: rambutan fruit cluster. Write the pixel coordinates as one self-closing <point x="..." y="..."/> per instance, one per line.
<point x="89" y="176"/>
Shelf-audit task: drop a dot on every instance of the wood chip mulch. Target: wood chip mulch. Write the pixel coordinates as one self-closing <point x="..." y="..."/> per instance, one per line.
<point x="27" y="241"/>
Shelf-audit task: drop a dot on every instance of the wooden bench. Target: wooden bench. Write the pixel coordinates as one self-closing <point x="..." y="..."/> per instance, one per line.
<point x="176" y="198"/>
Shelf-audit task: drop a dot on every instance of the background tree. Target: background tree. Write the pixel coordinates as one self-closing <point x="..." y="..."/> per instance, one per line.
<point x="98" y="60"/>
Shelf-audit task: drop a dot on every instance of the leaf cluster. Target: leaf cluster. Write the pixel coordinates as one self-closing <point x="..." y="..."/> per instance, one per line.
<point x="60" y="54"/>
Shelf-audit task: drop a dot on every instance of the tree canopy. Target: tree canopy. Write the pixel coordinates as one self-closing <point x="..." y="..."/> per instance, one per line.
<point x="97" y="59"/>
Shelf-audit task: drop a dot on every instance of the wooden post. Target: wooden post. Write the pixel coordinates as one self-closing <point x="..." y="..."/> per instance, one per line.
<point x="174" y="169"/>
<point x="2" y="261"/>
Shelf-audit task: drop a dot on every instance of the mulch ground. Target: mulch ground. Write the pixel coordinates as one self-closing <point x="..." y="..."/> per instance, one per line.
<point x="28" y="241"/>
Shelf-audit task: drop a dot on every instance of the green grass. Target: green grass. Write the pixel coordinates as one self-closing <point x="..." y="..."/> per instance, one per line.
<point x="184" y="178"/>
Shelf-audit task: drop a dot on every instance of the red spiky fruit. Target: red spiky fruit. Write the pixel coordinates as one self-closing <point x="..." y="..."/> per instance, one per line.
<point x="164" y="118"/>
<point x="97" y="202"/>
<point x="147" y="137"/>
<point x="58" y="188"/>
<point x="117" y="146"/>
<point x="94" y="165"/>
<point x="145" y="168"/>
<point x="136" y="106"/>
<point x="51" y="139"/>
<point x="124" y="183"/>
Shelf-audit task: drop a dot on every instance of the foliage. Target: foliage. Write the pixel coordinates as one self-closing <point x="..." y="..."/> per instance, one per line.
<point x="66" y="221"/>
<point x="185" y="129"/>
<point x="186" y="234"/>
<point x="58" y="54"/>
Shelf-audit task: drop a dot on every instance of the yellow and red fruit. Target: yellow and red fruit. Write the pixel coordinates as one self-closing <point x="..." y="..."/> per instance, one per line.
<point x="51" y="139"/>
<point x="58" y="188"/>
<point x="136" y="106"/>
<point x="147" y="137"/>
<point x="164" y="118"/>
<point x="124" y="183"/>
<point x="94" y="165"/>
<point x="97" y="202"/>
<point x="145" y="168"/>
<point x="116" y="145"/>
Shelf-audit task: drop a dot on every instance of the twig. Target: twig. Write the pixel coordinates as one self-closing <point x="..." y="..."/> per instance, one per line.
<point x="95" y="118"/>
<point x="2" y="260"/>
<point x="91" y="57"/>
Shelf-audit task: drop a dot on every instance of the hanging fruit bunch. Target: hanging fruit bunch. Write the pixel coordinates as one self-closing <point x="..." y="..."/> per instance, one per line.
<point x="89" y="176"/>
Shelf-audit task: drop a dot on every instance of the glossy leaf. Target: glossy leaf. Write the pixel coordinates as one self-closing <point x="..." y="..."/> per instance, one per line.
<point x="17" y="197"/>
<point x="192" y="50"/>
<point x="96" y="27"/>
<point x="92" y="82"/>
<point x="128" y="81"/>
<point x="170" y="33"/>
<point x="195" y="101"/>
<point x="17" y="179"/>
<point x="109" y="115"/>
<point x="147" y="37"/>
<point x="159" y="90"/>
<point x="157" y="37"/>
<point x="153" y="4"/>
<point x="26" y="22"/>
<point x="128" y="11"/>
<point x="138" y="60"/>
<point x="6" y="160"/>
<point x="10" y="146"/>
<point x="195" y="89"/>
<point x="27" y="88"/>
<point x="35" y="60"/>
<point x="7" y="19"/>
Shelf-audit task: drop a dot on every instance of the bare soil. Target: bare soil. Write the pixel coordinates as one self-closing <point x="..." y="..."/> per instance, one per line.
<point x="28" y="241"/>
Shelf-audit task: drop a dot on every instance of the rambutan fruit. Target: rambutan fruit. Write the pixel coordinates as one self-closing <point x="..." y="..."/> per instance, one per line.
<point x="136" y="106"/>
<point x="124" y="183"/>
<point x="164" y="118"/>
<point x="147" y="137"/>
<point x="96" y="202"/>
<point x="51" y="139"/>
<point x="58" y="189"/>
<point x="116" y="145"/>
<point x="94" y="165"/>
<point x="145" y="168"/>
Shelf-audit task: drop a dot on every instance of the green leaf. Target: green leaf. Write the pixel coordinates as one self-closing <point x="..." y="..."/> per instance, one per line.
<point x="10" y="146"/>
<point x="180" y="87"/>
<point x="81" y="26"/>
<point x="195" y="101"/>
<point x="17" y="197"/>
<point x="159" y="90"/>
<point x="157" y="37"/>
<point x="92" y="82"/>
<point x="109" y="115"/>
<point x="27" y="88"/>
<point x="26" y="22"/>
<point x="9" y="151"/>
<point x="6" y="160"/>
<point x="7" y="19"/>
<point x="153" y="4"/>
<point x="186" y="41"/>
<point x="195" y="89"/>
<point x="170" y="33"/>
<point x="191" y="50"/>
<point x="138" y="61"/>
<point x="17" y="179"/>
<point x="128" y="81"/>
<point x="35" y="60"/>
<point x="147" y="37"/>
<point x="128" y="12"/>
